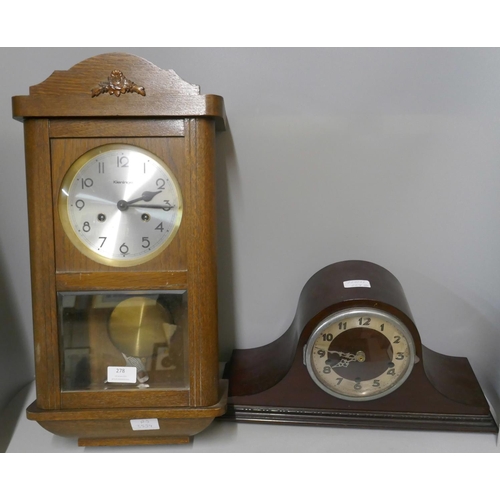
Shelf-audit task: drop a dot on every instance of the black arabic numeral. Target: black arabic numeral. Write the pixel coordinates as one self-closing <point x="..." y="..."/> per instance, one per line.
<point x="79" y="204"/>
<point x="168" y="206"/>
<point x="122" y="161"/>
<point x="145" y="242"/>
<point x="86" y="183"/>
<point x="124" y="249"/>
<point x="364" y="321"/>
<point x="160" y="183"/>
<point x="86" y="227"/>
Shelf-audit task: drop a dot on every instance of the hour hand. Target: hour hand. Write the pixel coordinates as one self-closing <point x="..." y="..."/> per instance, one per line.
<point x="146" y="196"/>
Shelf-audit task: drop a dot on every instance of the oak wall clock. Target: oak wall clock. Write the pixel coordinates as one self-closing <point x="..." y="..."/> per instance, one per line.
<point x="353" y="357"/>
<point x="120" y="159"/>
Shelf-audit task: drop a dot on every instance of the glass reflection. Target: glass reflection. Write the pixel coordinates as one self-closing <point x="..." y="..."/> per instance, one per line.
<point x="146" y="333"/>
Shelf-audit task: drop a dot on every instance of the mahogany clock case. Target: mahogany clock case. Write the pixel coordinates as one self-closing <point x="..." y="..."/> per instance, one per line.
<point x="271" y="384"/>
<point x="105" y="100"/>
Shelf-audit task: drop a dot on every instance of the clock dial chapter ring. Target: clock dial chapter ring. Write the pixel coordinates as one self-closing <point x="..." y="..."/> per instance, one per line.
<point x="120" y="205"/>
<point x="360" y="354"/>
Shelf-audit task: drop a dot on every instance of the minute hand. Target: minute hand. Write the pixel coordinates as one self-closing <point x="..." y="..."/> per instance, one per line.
<point x="149" y="205"/>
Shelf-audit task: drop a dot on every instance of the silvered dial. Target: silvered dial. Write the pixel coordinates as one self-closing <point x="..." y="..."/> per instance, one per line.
<point x="120" y="205"/>
<point x="360" y="354"/>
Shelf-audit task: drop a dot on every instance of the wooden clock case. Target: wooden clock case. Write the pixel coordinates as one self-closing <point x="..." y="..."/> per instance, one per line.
<point x="94" y="103"/>
<point x="270" y="384"/>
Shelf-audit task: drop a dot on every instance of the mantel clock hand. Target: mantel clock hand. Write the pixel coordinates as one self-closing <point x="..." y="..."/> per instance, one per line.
<point x="345" y="359"/>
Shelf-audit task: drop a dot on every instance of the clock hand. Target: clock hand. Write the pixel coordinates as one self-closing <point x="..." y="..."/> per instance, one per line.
<point x="168" y="206"/>
<point x="345" y="358"/>
<point x="146" y="196"/>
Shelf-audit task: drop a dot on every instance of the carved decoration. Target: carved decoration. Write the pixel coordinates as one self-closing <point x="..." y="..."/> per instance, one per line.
<point x="117" y="84"/>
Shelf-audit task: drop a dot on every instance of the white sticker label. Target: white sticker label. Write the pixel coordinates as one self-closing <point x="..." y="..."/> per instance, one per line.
<point x="122" y="374"/>
<point x="357" y="284"/>
<point x="145" y="424"/>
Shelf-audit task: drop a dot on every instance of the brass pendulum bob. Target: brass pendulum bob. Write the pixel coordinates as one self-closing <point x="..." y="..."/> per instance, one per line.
<point x="136" y="326"/>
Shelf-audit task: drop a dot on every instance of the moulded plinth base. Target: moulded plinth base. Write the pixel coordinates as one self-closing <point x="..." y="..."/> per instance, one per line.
<point x="112" y="427"/>
<point x="367" y="420"/>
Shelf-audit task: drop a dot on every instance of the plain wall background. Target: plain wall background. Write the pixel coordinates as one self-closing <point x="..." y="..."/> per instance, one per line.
<point x="386" y="155"/>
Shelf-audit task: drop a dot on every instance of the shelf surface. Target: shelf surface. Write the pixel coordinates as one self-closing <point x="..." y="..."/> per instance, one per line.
<point x="231" y="437"/>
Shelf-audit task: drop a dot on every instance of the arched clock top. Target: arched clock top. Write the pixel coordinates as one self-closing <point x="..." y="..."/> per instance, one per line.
<point x="84" y="76"/>
<point x="145" y="90"/>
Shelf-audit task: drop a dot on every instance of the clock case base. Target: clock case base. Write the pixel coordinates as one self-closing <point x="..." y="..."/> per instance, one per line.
<point x="270" y="384"/>
<point x="282" y="405"/>
<point x="393" y="421"/>
<point x="111" y="427"/>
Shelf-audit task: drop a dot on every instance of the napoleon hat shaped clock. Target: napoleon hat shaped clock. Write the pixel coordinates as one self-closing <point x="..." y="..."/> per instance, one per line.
<point x="353" y="357"/>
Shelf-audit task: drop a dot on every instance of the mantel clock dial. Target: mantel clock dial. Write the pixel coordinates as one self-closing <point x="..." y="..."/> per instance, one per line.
<point x="120" y="161"/>
<point x="360" y="354"/>
<point x="353" y="357"/>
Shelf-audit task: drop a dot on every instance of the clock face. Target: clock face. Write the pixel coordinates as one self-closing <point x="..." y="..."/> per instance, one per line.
<point x="120" y="205"/>
<point x="360" y="354"/>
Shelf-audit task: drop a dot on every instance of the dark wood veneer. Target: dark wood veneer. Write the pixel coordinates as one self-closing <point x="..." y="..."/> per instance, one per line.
<point x="271" y="383"/>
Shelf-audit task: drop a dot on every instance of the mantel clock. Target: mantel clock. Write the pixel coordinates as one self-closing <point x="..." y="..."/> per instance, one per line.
<point x="120" y="159"/>
<point x="353" y="357"/>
